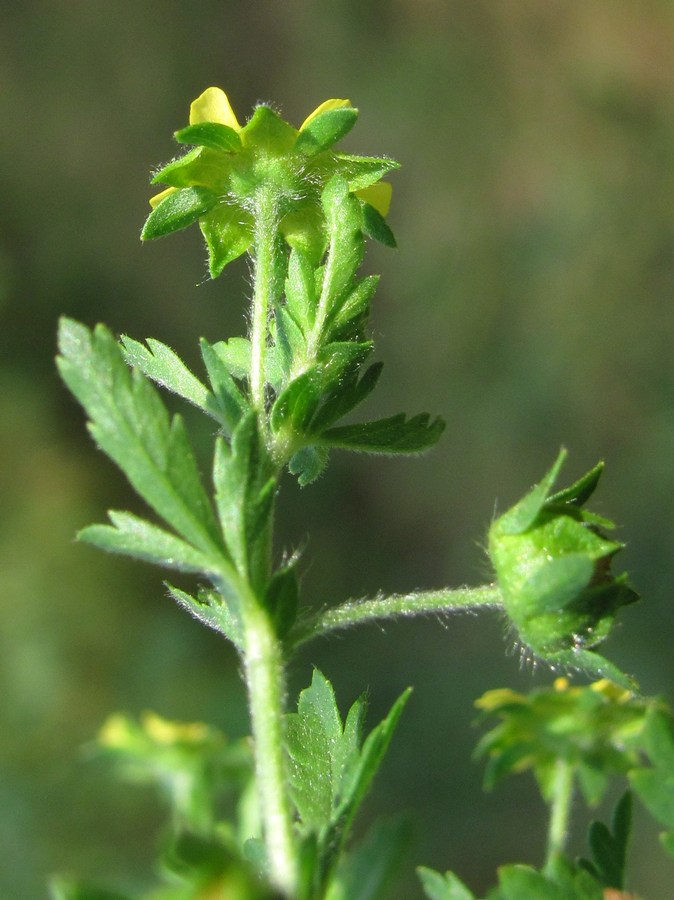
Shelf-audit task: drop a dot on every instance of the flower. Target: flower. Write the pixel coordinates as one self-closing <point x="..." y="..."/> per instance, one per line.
<point x="220" y="181"/>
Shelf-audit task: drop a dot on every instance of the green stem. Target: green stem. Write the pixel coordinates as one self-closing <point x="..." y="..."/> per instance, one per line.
<point x="560" y="809"/>
<point x="264" y="255"/>
<point x="265" y="679"/>
<point x="397" y="606"/>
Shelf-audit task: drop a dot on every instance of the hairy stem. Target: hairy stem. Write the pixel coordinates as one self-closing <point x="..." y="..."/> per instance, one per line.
<point x="397" y="606"/>
<point x="264" y="254"/>
<point x="560" y="809"/>
<point x="265" y="679"/>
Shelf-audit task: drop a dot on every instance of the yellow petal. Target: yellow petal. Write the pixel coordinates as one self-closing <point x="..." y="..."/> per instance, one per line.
<point x="327" y="104"/>
<point x="213" y="106"/>
<point x="157" y="199"/>
<point x="377" y="195"/>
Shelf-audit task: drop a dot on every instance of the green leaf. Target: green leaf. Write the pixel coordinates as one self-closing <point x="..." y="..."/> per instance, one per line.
<point x="345" y="247"/>
<point x="443" y="887"/>
<point x="230" y="401"/>
<point x="311" y="735"/>
<point x="366" y="872"/>
<point x="346" y="396"/>
<point x="228" y="232"/>
<point x="138" y="538"/>
<point x="393" y="435"/>
<point x="524" y="883"/>
<point x="376" y="227"/>
<point x="214" y="135"/>
<point x="164" y="367"/>
<point x="357" y="778"/>
<point x="325" y="129"/>
<point x="235" y="355"/>
<point x="300" y="290"/>
<point x="290" y="343"/>
<point x="282" y="598"/>
<point x="354" y="307"/>
<point x="130" y="424"/>
<point x="307" y="464"/>
<point x="212" y="610"/>
<point x="245" y="490"/>
<point x="66" y="889"/>
<point x="178" y="211"/>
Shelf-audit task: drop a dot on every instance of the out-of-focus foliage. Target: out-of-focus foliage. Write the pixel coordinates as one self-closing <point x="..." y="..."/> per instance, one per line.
<point x="533" y="284"/>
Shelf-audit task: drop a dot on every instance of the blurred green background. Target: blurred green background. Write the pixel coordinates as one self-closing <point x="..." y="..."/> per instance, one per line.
<point x="530" y="303"/>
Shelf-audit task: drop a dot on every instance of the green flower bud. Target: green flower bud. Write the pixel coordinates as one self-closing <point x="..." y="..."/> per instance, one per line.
<point x="552" y="562"/>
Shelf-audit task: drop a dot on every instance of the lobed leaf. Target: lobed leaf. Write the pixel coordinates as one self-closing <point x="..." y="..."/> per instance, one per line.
<point x="393" y="435"/>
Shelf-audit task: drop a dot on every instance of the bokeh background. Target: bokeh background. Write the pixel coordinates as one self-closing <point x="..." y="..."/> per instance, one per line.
<point x="530" y="303"/>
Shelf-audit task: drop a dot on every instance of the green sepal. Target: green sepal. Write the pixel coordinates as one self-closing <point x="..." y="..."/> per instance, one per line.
<point x="362" y="171"/>
<point x="213" y="135"/>
<point x="269" y="132"/>
<point x="282" y="598"/>
<point x="211" y="609"/>
<point x="132" y="536"/>
<point x="130" y="424"/>
<point x="178" y="211"/>
<point x="376" y="227"/>
<point x="443" y="887"/>
<point x="325" y="129"/>
<point x="228" y="232"/>
<point x="523" y="515"/>
<point x="303" y="228"/>
<point x="394" y="435"/>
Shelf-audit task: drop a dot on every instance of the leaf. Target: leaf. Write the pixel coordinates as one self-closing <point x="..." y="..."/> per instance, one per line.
<point x="245" y="489"/>
<point x="178" y="211"/>
<point x="367" y="871"/>
<point x="357" y="778"/>
<point x="214" y="135"/>
<point x="212" y="610"/>
<point x="393" y="435"/>
<point x="376" y="227"/>
<point x="230" y="401"/>
<point x="325" y="129"/>
<point x="131" y="425"/>
<point x="307" y="464"/>
<point x="66" y="889"/>
<point x="354" y="306"/>
<point x="349" y="393"/>
<point x="345" y="247"/>
<point x="300" y="290"/>
<point x="524" y="883"/>
<point x="282" y="599"/>
<point x="135" y="537"/>
<point x="655" y="786"/>
<point x="311" y="735"/>
<point x="163" y="365"/>
<point x="443" y="887"/>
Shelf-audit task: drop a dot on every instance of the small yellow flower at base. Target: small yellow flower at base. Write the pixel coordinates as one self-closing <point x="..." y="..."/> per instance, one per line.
<point x="324" y="107"/>
<point x="213" y="106"/>
<point x="163" y="731"/>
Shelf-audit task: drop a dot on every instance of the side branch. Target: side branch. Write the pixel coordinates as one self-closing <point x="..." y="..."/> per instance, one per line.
<point x="396" y="606"/>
